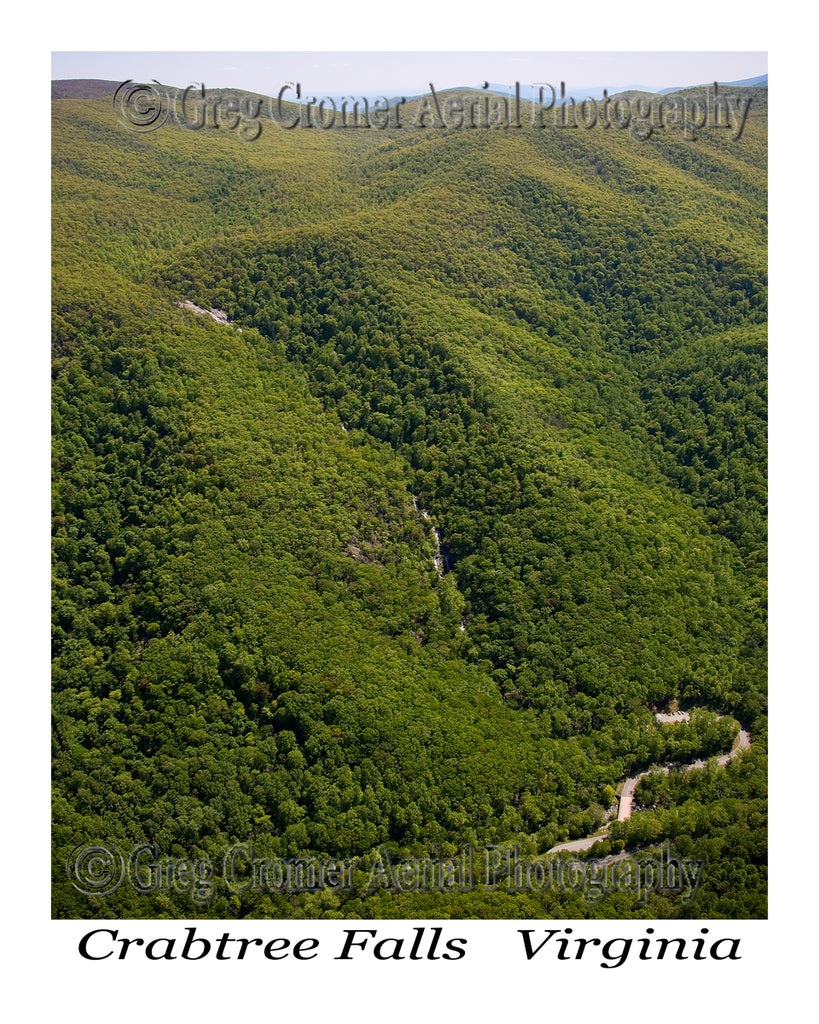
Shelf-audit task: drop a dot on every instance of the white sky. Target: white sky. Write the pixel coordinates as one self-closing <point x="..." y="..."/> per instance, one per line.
<point x="371" y="73"/>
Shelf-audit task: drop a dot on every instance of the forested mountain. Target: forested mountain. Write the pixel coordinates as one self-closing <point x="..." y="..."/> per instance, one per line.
<point x="549" y="346"/>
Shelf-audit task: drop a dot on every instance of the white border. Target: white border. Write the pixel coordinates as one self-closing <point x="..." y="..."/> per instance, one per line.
<point x="493" y="980"/>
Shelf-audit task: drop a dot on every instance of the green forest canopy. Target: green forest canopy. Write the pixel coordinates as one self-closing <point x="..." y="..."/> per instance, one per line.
<point x="551" y="342"/>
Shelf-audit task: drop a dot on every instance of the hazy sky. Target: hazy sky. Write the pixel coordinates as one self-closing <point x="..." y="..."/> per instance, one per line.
<point x="371" y="73"/>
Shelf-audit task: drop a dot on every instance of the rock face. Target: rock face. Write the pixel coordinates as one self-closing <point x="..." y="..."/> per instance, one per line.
<point x="219" y="315"/>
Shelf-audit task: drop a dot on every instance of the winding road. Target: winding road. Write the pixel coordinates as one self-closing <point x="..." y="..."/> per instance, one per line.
<point x="742" y="742"/>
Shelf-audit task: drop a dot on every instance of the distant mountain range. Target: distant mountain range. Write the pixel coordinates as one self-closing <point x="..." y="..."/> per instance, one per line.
<point x="82" y="88"/>
<point x="94" y="88"/>
<point x="596" y="91"/>
<point x="760" y="80"/>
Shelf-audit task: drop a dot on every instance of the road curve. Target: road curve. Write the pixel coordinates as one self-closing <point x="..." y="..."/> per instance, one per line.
<point x="576" y="845"/>
<point x="742" y="742"/>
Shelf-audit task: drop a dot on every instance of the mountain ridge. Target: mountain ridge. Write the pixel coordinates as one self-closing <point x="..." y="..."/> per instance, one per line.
<point x="92" y="88"/>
